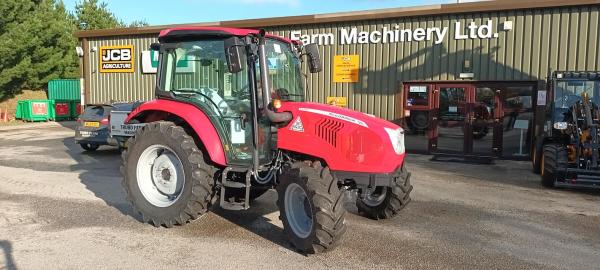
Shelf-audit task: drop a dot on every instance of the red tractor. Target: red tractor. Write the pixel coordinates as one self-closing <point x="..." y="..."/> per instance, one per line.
<point x="229" y="122"/>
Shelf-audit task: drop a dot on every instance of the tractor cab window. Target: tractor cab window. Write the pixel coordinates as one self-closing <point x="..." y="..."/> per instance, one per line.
<point x="568" y="92"/>
<point x="284" y="71"/>
<point x="196" y="72"/>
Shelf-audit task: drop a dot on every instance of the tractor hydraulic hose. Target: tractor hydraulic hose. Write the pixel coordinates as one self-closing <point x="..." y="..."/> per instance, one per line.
<point x="274" y="117"/>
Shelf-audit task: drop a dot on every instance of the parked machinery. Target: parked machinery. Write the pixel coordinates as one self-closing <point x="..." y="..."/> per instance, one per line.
<point x="230" y="122"/>
<point x="566" y="152"/>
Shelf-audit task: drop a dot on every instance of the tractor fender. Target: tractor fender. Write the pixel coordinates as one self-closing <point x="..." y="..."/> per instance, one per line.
<point x="195" y="117"/>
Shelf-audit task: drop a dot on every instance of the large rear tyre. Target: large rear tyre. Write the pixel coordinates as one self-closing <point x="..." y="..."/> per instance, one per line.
<point x="165" y="176"/>
<point x="554" y="159"/>
<point x="311" y="207"/>
<point x="386" y="202"/>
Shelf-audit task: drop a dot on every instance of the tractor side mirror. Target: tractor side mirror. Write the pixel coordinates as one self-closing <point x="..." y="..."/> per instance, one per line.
<point x="234" y="54"/>
<point x="155" y="46"/>
<point x="314" y="59"/>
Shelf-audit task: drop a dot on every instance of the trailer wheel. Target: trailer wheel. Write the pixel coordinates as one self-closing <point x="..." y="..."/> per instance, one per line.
<point x="554" y="158"/>
<point x="311" y="206"/>
<point x="165" y="176"/>
<point x="386" y="202"/>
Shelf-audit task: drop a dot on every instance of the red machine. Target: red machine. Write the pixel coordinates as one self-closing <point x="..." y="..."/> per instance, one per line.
<point x="230" y="122"/>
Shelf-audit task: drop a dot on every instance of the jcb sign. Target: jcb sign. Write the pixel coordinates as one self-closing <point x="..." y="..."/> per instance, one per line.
<point x="116" y="58"/>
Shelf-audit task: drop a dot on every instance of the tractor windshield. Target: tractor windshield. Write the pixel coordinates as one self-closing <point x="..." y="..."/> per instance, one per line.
<point x="568" y="92"/>
<point x="284" y="71"/>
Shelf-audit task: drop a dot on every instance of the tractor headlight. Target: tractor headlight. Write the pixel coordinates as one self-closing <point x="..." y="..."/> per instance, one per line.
<point x="560" y="125"/>
<point x="397" y="139"/>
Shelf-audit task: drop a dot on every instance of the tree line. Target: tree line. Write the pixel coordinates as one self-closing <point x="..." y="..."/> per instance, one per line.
<point x="37" y="42"/>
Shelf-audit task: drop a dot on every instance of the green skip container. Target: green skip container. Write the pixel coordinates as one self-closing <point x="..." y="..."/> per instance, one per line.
<point x="64" y="89"/>
<point x="62" y="110"/>
<point x="35" y="110"/>
<point x="75" y="108"/>
<point x="18" y="110"/>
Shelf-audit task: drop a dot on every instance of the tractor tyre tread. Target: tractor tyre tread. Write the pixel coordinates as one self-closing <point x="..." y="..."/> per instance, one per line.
<point x="195" y="201"/>
<point x="327" y="201"/>
<point x="398" y="196"/>
<point x="555" y="158"/>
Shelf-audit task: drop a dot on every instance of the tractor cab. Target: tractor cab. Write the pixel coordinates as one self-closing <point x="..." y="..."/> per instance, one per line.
<point x="571" y="88"/>
<point x="219" y="72"/>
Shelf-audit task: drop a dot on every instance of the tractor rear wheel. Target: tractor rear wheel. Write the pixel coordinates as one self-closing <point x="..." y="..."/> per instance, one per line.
<point x="386" y="202"/>
<point x="165" y="175"/>
<point x="554" y="159"/>
<point x="311" y="206"/>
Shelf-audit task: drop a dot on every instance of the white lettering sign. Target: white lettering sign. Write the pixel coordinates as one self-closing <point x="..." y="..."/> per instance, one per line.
<point x="396" y="34"/>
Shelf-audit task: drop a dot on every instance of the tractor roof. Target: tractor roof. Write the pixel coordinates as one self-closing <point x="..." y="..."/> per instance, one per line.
<point x="204" y="31"/>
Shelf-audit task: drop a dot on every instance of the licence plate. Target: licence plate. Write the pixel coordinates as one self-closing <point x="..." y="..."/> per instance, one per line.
<point x="87" y="134"/>
<point x="91" y="124"/>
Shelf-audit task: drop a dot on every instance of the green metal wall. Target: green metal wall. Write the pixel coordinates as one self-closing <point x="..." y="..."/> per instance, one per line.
<point x="64" y="89"/>
<point x="557" y="38"/>
<point x="115" y="87"/>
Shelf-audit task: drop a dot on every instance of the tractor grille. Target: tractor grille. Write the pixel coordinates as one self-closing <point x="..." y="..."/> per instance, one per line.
<point x="327" y="130"/>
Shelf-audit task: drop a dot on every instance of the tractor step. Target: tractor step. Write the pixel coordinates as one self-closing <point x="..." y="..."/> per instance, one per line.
<point x="231" y="184"/>
<point x="225" y="184"/>
<point x="234" y="206"/>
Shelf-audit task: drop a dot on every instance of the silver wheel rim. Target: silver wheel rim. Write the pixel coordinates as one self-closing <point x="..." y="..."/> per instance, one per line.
<point x="160" y="175"/>
<point x="298" y="210"/>
<point x="376" y="197"/>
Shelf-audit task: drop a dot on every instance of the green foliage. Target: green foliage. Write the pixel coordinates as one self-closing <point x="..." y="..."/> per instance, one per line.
<point x="37" y="42"/>
<point x="35" y="48"/>
<point x="90" y="15"/>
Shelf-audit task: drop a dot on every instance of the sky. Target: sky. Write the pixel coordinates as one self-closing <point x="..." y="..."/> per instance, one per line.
<point x="159" y="12"/>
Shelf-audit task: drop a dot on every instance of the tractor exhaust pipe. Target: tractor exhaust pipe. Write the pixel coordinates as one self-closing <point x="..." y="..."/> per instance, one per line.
<point x="266" y="84"/>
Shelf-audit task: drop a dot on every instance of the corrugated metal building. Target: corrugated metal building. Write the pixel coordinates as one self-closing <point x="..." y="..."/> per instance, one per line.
<point x="476" y="64"/>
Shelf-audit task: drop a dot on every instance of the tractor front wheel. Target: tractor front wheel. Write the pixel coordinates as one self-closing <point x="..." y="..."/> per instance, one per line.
<point x="554" y="159"/>
<point x="386" y="202"/>
<point x="165" y="175"/>
<point x="311" y="206"/>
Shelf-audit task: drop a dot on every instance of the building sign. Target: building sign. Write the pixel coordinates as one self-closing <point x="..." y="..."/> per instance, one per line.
<point x="541" y="98"/>
<point x="116" y="59"/>
<point x="345" y="68"/>
<point x="394" y="34"/>
<point x="337" y="101"/>
<point x="417" y="89"/>
<point x="150" y="63"/>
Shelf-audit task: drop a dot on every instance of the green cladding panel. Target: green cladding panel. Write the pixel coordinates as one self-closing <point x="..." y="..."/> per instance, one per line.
<point x="64" y="89"/>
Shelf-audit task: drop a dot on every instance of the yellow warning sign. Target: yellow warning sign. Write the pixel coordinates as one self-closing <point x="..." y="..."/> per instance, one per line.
<point x="345" y="68"/>
<point x="337" y="101"/>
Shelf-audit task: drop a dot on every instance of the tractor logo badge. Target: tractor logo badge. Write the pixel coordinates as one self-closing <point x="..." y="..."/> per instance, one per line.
<point x="297" y="125"/>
